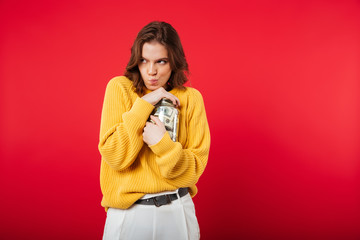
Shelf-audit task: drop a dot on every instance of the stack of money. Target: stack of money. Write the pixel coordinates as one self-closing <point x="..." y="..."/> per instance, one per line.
<point x="166" y="111"/>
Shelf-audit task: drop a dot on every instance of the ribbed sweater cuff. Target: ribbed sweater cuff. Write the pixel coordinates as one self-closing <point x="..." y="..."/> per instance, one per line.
<point x="142" y="108"/>
<point x="164" y="146"/>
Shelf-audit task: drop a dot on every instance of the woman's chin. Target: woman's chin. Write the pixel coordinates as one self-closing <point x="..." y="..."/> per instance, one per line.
<point x="152" y="87"/>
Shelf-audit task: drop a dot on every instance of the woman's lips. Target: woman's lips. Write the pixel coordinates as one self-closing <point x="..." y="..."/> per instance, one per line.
<point x="153" y="81"/>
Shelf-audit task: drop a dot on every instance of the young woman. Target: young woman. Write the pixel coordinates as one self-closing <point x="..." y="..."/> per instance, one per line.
<point x="148" y="180"/>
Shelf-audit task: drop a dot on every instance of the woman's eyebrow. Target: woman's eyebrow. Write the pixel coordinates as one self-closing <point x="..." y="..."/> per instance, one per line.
<point x="164" y="58"/>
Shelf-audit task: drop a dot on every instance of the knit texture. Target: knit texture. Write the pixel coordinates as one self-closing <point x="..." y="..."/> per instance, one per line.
<point x="129" y="168"/>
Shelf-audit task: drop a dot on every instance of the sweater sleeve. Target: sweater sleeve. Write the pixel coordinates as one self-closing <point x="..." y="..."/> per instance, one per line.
<point x="183" y="165"/>
<point x="122" y="125"/>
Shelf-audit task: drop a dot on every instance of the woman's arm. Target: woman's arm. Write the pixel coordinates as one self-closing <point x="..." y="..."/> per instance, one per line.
<point x="122" y="125"/>
<point x="183" y="165"/>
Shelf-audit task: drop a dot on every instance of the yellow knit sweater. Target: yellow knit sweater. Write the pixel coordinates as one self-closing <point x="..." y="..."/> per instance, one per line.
<point x="130" y="168"/>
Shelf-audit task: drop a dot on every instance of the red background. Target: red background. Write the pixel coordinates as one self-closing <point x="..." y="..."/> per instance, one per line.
<point x="280" y="80"/>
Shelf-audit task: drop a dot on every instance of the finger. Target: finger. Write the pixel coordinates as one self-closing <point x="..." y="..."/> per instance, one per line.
<point x="174" y="99"/>
<point x="156" y="120"/>
<point x="178" y="101"/>
<point x="144" y="137"/>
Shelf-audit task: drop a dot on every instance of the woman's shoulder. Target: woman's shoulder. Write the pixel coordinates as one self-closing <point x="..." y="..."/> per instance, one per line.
<point x="192" y="92"/>
<point x="121" y="80"/>
<point x="121" y="83"/>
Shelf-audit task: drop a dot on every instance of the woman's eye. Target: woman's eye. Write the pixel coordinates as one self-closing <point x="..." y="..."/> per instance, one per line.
<point x="162" y="61"/>
<point x="142" y="61"/>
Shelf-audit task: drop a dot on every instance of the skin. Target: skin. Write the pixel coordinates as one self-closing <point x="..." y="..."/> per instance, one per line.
<point x="155" y="71"/>
<point x="153" y="133"/>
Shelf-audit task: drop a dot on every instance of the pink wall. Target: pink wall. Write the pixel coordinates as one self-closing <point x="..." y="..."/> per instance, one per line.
<point x="280" y="82"/>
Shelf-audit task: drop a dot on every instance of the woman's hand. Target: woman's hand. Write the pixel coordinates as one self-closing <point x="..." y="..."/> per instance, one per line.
<point x="155" y="96"/>
<point x="153" y="133"/>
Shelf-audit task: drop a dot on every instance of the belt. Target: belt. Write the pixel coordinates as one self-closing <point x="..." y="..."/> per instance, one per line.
<point x="163" y="199"/>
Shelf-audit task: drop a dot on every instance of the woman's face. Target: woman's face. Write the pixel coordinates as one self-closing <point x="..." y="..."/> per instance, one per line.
<point x="154" y="65"/>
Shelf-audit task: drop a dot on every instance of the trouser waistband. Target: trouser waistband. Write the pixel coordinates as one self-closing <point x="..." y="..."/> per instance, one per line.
<point x="163" y="199"/>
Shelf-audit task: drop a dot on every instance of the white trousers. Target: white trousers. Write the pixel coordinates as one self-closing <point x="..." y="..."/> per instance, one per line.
<point x="174" y="221"/>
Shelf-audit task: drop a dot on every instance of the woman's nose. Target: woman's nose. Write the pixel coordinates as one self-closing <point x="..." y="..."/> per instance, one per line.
<point x="152" y="69"/>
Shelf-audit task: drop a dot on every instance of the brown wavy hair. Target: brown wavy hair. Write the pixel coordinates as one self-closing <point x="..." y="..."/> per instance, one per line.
<point x="166" y="35"/>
